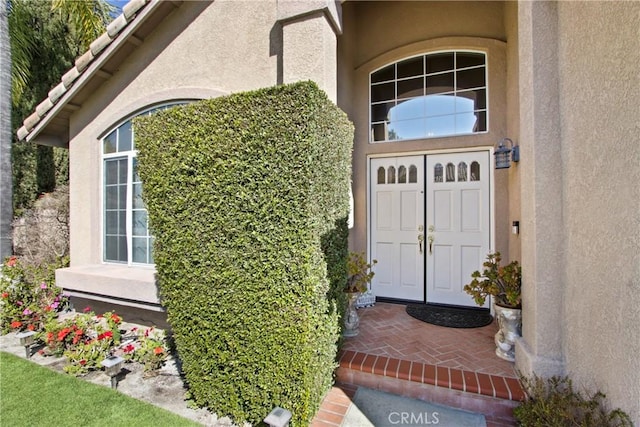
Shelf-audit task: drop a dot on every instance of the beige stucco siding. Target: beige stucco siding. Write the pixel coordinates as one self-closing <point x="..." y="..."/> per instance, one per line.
<point x="600" y="113"/>
<point x="200" y="50"/>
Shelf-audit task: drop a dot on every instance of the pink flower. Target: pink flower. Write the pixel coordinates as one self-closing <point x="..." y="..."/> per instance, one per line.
<point x="86" y="309"/>
<point x="27" y="312"/>
<point x="43" y="285"/>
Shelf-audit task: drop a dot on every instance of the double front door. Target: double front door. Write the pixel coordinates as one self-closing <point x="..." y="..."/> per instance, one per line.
<point x="430" y="225"/>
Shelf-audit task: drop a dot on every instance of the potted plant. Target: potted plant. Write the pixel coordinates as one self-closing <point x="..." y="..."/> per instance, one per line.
<point x="360" y="275"/>
<point x="503" y="283"/>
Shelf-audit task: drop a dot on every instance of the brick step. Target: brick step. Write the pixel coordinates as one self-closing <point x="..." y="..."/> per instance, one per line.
<point x="492" y="395"/>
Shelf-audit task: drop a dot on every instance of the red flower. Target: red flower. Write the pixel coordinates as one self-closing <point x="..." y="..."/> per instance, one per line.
<point x="86" y="309"/>
<point x="5" y="295"/>
<point x="79" y="332"/>
<point x="76" y="339"/>
<point x="16" y="324"/>
<point x="49" y="336"/>
<point x="47" y="308"/>
<point x="83" y="362"/>
<point x="158" y="350"/>
<point x="31" y="327"/>
<point x="129" y="348"/>
<point x="99" y="316"/>
<point x="11" y="262"/>
<point x="117" y="319"/>
<point x="63" y="334"/>
<point x="104" y="335"/>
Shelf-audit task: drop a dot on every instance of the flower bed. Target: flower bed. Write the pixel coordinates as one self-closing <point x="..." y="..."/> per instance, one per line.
<point x="31" y="301"/>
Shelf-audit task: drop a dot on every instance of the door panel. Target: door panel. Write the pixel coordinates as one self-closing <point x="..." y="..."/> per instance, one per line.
<point x="455" y="227"/>
<point x="397" y="213"/>
<point x="458" y="221"/>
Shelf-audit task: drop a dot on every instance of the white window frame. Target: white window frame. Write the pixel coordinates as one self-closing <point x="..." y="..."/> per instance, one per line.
<point x="371" y="137"/>
<point x="130" y="155"/>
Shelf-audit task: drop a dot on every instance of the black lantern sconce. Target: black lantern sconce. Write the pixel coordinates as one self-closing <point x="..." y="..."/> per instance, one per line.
<point x="504" y="155"/>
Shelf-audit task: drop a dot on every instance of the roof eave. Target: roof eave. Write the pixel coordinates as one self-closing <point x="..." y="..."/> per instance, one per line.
<point x="60" y="99"/>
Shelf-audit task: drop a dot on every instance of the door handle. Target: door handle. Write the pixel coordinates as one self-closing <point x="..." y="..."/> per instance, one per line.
<point x="430" y="238"/>
<point x="420" y="240"/>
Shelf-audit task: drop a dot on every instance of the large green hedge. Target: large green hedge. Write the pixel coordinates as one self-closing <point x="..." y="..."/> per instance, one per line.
<point x="247" y="197"/>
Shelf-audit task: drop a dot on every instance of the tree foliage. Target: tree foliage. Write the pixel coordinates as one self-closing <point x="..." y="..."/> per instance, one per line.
<point x="46" y="37"/>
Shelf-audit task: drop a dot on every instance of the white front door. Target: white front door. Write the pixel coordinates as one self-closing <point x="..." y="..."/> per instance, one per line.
<point x="439" y="216"/>
<point x="397" y="215"/>
<point x="458" y="223"/>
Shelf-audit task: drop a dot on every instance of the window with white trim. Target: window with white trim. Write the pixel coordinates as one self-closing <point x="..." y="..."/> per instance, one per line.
<point x="428" y="96"/>
<point x="126" y="237"/>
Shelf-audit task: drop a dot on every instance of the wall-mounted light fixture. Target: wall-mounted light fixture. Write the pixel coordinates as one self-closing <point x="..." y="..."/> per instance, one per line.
<point x="504" y="155"/>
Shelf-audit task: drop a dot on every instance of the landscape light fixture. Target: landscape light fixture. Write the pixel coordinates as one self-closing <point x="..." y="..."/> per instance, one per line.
<point x="26" y="339"/>
<point x="112" y="367"/>
<point x="278" y="417"/>
<point x="504" y="155"/>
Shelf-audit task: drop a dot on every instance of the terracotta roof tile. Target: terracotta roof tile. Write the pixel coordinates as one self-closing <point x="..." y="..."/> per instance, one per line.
<point x="129" y="12"/>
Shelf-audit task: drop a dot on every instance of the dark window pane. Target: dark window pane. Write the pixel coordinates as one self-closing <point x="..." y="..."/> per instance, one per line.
<point x="462" y="171"/>
<point x="111" y="197"/>
<point x="122" y="249"/>
<point x="475" y="171"/>
<point x="378" y="131"/>
<point x="437" y="173"/>
<point x="413" y="174"/>
<point x="479" y="98"/>
<point x="411" y="88"/>
<point x="111" y="222"/>
<point x="111" y="248"/>
<point x="122" y="171"/>
<point x="439" y="62"/>
<point x="481" y="122"/>
<point x="391" y="175"/>
<point x="380" y="112"/>
<point x="387" y="73"/>
<point x="402" y="175"/>
<point x="440" y="83"/>
<point x="111" y="172"/>
<point x="451" y="172"/>
<point x="122" y="196"/>
<point x="124" y="137"/>
<point x="466" y="59"/>
<point x="472" y="78"/>
<point x="381" y="175"/>
<point x="383" y="92"/>
<point x="109" y="145"/>
<point x="411" y="67"/>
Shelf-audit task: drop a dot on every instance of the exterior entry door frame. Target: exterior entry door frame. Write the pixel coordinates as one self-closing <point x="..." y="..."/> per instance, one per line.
<point x="423" y="276"/>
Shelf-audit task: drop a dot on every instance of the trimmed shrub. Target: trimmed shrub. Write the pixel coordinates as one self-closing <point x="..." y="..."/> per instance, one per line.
<point x="248" y="198"/>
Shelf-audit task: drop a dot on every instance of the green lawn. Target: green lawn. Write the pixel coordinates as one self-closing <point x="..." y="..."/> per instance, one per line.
<point x="32" y="395"/>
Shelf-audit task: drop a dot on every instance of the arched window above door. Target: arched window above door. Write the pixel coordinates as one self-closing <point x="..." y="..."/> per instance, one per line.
<point x="429" y="96"/>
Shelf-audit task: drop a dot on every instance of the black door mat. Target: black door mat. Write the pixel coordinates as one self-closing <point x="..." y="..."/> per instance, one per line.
<point x="449" y="316"/>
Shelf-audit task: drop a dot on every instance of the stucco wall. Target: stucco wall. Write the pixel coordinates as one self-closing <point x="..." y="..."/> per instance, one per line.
<point x="599" y="107"/>
<point x="200" y="50"/>
<point x="379" y="33"/>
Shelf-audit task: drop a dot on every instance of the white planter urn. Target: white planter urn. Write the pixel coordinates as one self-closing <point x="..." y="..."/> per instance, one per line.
<point x="510" y="324"/>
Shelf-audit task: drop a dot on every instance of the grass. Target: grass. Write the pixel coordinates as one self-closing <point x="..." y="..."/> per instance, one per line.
<point x="32" y="395"/>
